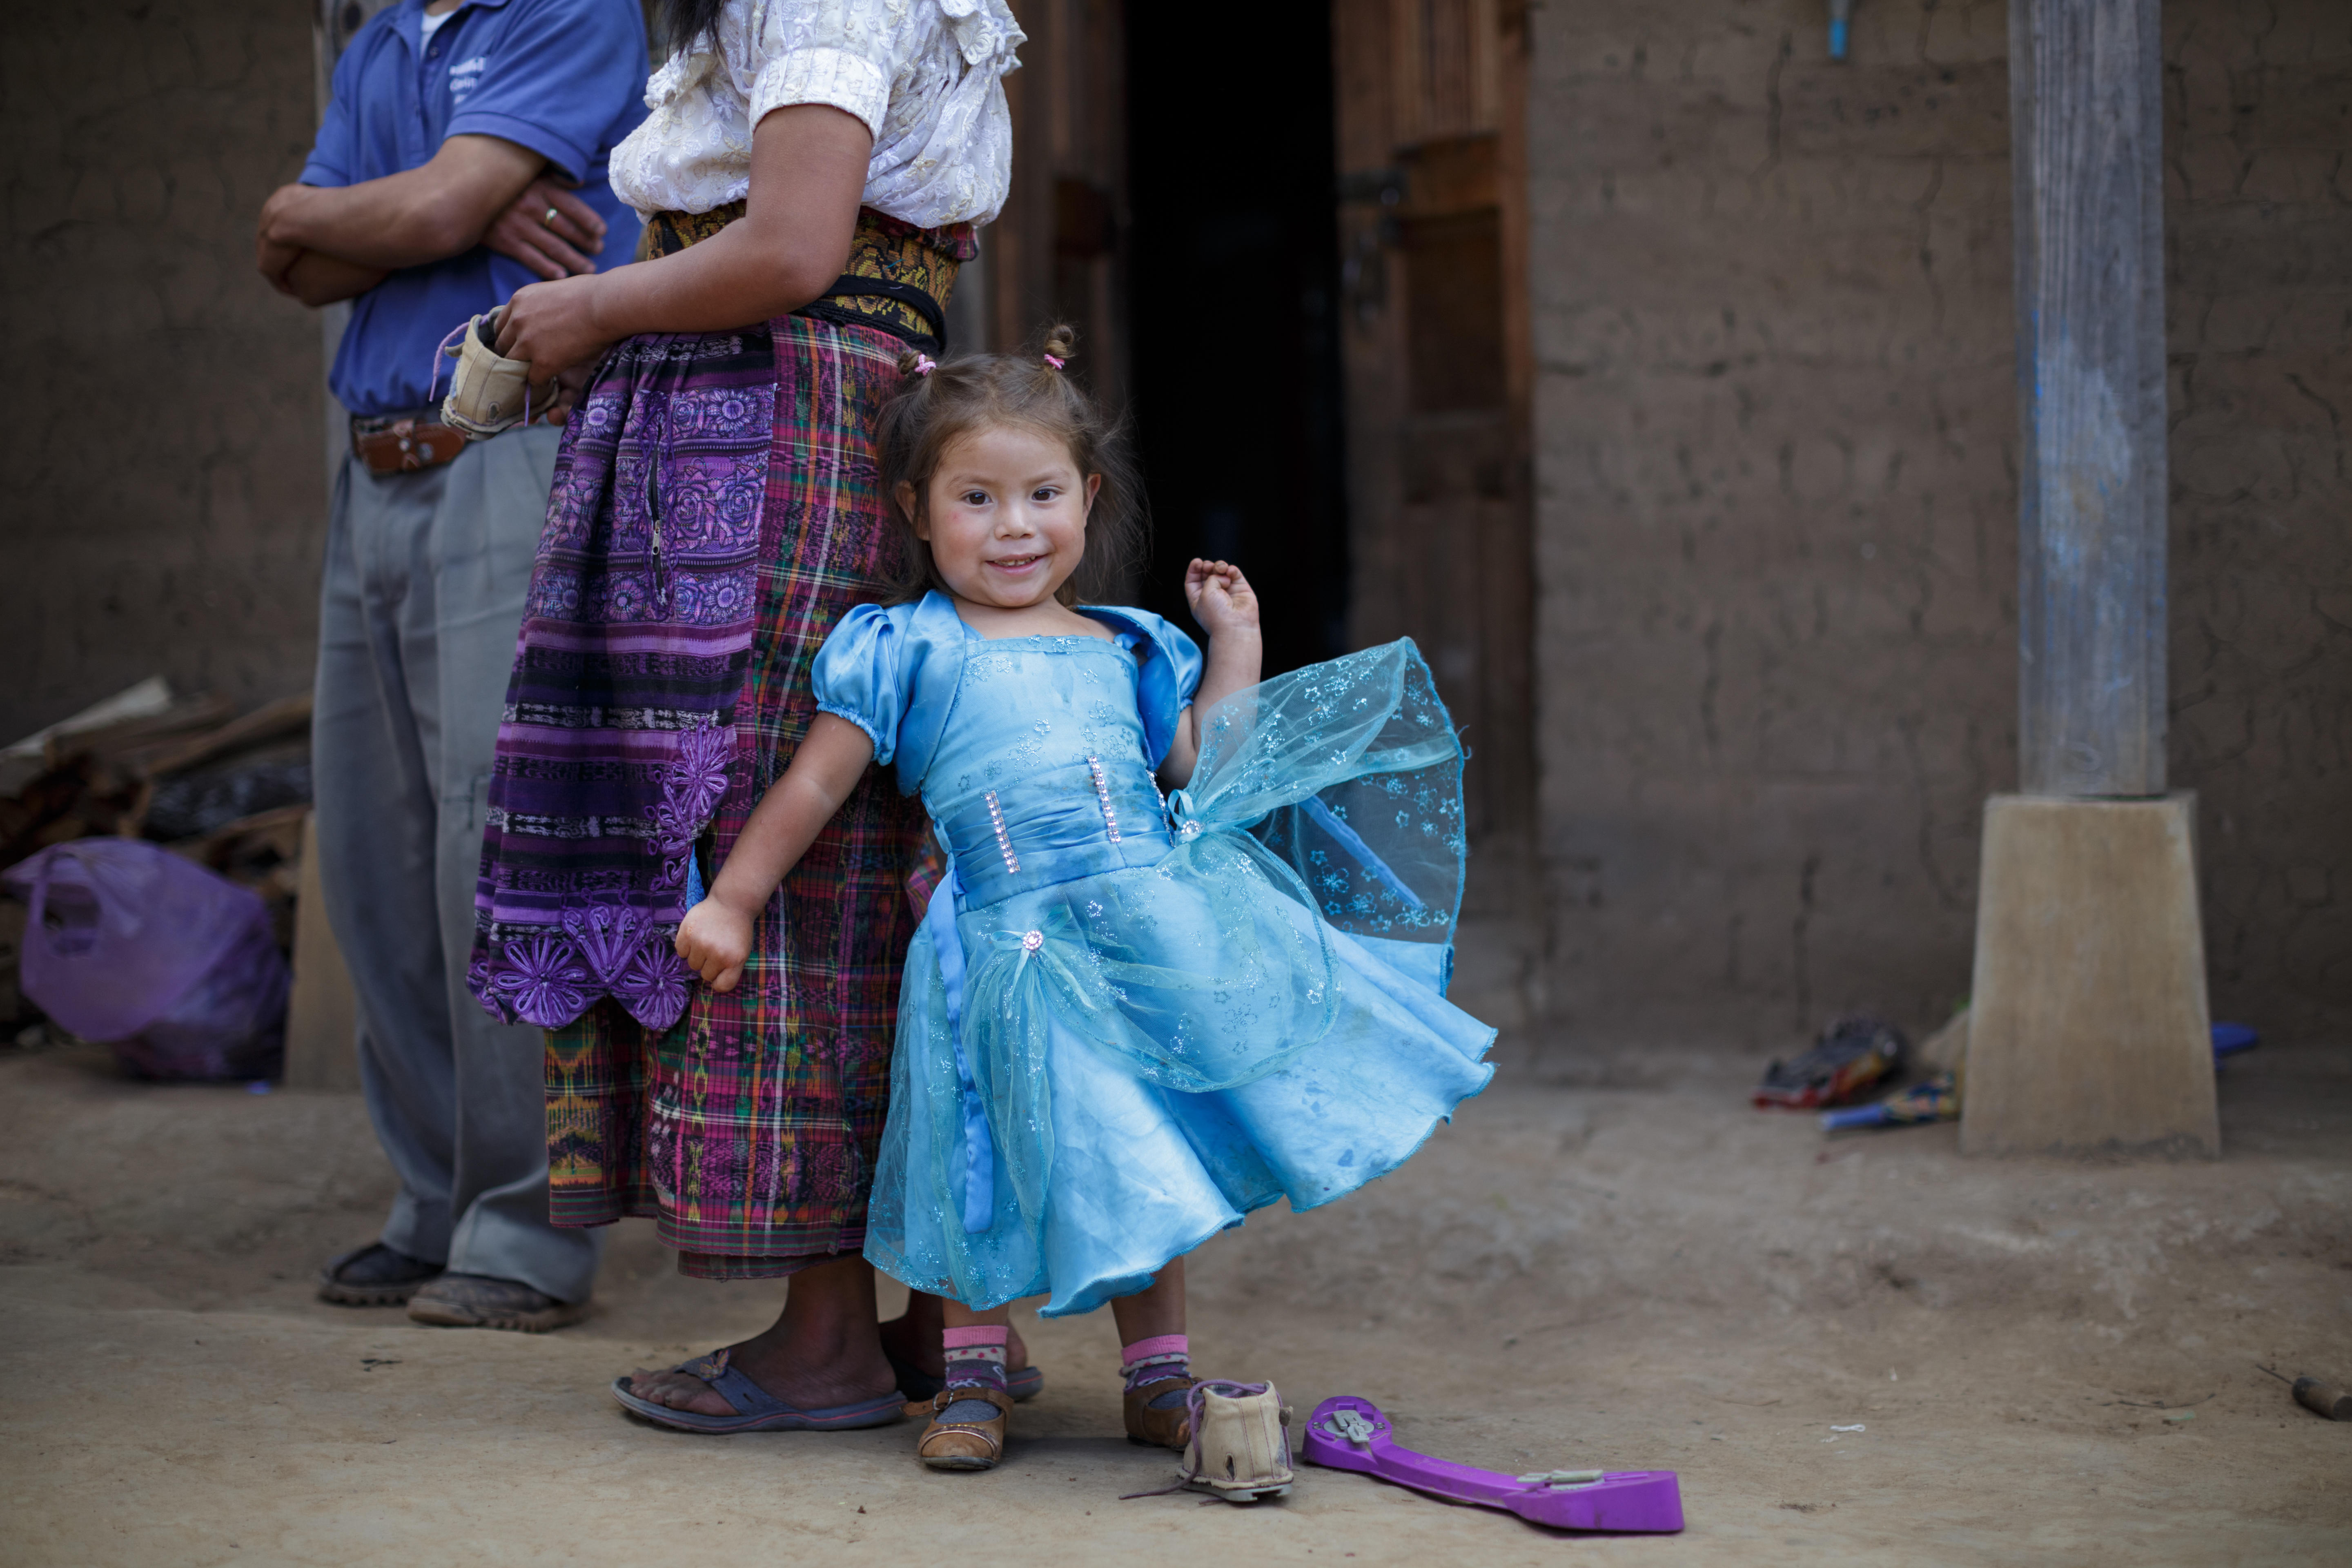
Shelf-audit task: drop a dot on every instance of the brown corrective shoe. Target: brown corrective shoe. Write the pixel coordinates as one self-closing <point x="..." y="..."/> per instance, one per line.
<point x="963" y="1445"/>
<point x="1159" y="1413"/>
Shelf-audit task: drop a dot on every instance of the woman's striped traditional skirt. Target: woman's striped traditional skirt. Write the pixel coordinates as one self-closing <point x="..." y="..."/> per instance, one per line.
<point x="745" y="1124"/>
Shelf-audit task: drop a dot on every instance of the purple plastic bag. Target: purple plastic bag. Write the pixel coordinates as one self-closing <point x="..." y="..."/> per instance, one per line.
<point x="175" y="967"/>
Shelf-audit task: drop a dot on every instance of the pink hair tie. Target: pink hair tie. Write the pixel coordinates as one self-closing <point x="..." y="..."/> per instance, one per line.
<point x="1052" y="360"/>
<point x="925" y="363"/>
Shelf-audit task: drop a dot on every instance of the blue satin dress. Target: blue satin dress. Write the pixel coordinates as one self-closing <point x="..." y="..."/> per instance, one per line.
<point x="1127" y="1021"/>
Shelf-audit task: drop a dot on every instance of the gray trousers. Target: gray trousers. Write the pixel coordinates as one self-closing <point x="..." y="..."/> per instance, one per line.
<point x="423" y="593"/>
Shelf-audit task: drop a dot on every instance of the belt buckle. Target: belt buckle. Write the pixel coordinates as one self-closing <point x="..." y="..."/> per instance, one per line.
<point x="406" y="431"/>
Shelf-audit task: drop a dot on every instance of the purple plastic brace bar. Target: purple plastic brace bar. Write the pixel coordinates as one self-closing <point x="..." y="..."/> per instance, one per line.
<point x="1350" y="1434"/>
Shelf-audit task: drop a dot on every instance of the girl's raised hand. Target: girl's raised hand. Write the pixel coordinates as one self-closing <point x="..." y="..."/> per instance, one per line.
<point x="1221" y="598"/>
<point x="715" y="940"/>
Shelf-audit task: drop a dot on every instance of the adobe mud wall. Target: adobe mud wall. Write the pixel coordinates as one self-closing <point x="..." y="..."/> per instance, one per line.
<point x="164" y="494"/>
<point x="2258" y="255"/>
<point x="1776" y="527"/>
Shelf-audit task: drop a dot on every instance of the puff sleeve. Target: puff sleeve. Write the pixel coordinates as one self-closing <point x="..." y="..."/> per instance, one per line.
<point x="1185" y="660"/>
<point x="1166" y="684"/>
<point x="861" y="675"/>
<point x="842" y="52"/>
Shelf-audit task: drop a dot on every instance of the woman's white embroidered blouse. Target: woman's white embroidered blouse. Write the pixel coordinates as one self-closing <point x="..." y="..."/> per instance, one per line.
<point x="925" y="77"/>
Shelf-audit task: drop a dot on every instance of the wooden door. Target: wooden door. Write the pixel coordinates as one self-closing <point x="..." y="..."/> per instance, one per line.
<point x="1438" y="367"/>
<point x="1056" y="253"/>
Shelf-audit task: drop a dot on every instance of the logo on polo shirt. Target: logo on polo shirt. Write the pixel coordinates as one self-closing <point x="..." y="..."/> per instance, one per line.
<point x="466" y="75"/>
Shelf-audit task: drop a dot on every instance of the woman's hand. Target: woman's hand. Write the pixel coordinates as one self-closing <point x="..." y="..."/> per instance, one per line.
<point x="715" y="940"/>
<point x="554" y="326"/>
<point x="1222" y="599"/>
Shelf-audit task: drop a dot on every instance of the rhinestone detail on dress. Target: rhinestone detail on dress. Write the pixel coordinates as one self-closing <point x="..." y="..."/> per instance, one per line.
<point x="1003" y="840"/>
<point x="1102" y="794"/>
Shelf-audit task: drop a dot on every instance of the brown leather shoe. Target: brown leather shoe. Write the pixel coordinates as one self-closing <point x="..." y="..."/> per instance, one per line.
<point x="1168" y="1425"/>
<point x="478" y="1302"/>
<point x="374" y="1276"/>
<point x="963" y="1445"/>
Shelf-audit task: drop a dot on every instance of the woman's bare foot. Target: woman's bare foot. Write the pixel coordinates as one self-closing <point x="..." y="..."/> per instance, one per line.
<point x="824" y="1350"/>
<point x="913" y="1338"/>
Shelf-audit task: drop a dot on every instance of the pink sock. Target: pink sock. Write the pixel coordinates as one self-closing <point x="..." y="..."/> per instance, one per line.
<point x="1155" y="1359"/>
<point x="976" y="1356"/>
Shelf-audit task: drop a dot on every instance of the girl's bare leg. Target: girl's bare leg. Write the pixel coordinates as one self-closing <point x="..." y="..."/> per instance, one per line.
<point x="1157" y="1309"/>
<point x="913" y="1336"/>
<point x="959" y="1316"/>
<point x="1156" y="1382"/>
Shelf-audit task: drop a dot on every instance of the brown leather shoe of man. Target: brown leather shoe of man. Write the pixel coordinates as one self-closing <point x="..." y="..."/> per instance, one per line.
<point x="478" y="1302"/>
<point x="374" y="1276"/>
<point x="957" y="1439"/>
<point x="1159" y="1414"/>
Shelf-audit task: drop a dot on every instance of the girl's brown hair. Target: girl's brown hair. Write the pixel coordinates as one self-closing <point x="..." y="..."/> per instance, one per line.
<point x="977" y="391"/>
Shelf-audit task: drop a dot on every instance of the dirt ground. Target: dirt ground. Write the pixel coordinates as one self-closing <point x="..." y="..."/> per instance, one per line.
<point x="1608" y="1260"/>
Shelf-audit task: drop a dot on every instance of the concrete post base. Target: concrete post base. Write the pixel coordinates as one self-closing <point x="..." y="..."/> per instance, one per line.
<point x="2088" y="1028"/>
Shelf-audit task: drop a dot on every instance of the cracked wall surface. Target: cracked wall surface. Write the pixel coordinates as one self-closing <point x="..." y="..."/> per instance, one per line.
<point x="2258" y="256"/>
<point x="165" y="497"/>
<point x="1777" y="500"/>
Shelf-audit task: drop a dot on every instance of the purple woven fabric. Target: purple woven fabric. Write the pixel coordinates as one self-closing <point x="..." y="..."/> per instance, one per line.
<point x="619" y="730"/>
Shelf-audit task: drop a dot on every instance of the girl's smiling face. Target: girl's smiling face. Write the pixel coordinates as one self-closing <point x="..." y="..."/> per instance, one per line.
<point x="1006" y="516"/>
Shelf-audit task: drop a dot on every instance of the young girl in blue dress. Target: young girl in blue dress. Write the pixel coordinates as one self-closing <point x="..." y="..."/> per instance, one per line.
<point x="1128" y="1017"/>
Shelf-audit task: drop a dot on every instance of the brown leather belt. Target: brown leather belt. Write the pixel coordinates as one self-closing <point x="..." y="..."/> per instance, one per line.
<point x="403" y="443"/>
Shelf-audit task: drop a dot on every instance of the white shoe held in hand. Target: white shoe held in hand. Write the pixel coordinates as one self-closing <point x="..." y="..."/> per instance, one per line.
<point x="487" y="393"/>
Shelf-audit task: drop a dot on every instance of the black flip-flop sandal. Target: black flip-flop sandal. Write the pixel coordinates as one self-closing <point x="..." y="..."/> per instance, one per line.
<point x="756" y="1410"/>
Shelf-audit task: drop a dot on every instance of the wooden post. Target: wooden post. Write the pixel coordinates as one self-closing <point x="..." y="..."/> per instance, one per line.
<point x="2088" y="1026"/>
<point x="322" y="1014"/>
<point x="2085" y="88"/>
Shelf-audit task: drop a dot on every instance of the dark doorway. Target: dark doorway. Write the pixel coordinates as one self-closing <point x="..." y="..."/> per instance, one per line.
<point x="1233" y="317"/>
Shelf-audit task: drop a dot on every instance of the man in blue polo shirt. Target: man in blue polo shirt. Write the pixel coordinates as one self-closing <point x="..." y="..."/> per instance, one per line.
<point x="463" y="156"/>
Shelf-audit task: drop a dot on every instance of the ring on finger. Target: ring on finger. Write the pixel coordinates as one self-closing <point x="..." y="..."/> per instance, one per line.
<point x="547" y="219"/>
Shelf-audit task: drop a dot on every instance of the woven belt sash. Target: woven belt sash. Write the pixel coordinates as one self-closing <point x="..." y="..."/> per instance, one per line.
<point x="898" y="276"/>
